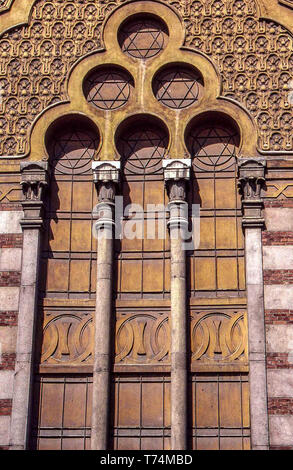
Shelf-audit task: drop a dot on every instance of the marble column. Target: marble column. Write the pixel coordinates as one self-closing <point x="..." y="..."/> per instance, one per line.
<point x="251" y="178"/>
<point x="34" y="178"/>
<point x="177" y="174"/>
<point x="106" y="178"/>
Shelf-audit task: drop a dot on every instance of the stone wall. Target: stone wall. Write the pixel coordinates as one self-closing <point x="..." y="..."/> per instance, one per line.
<point x="10" y="266"/>
<point x="278" y="288"/>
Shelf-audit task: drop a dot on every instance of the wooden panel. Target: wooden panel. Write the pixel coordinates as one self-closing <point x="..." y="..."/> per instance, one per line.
<point x="82" y="196"/>
<point x="153" y="275"/>
<point x="62" y="421"/>
<point x="205" y="274"/>
<point x="226" y="233"/>
<point x="230" y="405"/>
<point x="79" y="275"/>
<point x="206" y="405"/>
<point x="57" y="275"/>
<point x="81" y="235"/>
<point x="59" y="236"/>
<point x="227" y="273"/>
<point x="225" y="193"/>
<point x="142" y="412"/>
<point x="60" y="195"/>
<point x="207" y="233"/>
<point x="206" y="193"/>
<point x="131" y="276"/>
<point x="218" y="412"/>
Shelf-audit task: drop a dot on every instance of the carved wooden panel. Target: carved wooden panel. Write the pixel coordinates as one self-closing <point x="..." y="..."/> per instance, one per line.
<point x="67" y="338"/>
<point x="218" y="338"/>
<point x="142" y="338"/>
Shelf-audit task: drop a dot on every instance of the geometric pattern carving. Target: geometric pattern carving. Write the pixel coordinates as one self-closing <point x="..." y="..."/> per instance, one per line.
<point x="68" y="338"/>
<point x="73" y="150"/>
<point x="218" y="337"/>
<point x="108" y="89"/>
<point x="142" y="338"/>
<point x="143" y="150"/>
<point x="177" y="87"/>
<point x="142" y="38"/>
<point x="253" y="55"/>
<point x="213" y="147"/>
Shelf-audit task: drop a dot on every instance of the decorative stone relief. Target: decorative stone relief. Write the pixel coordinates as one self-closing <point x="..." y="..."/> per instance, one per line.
<point x="254" y="57"/>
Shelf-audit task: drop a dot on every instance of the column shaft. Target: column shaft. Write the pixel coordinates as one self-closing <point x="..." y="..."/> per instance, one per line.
<point x="256" y="339"/>
<point x="178" y="346"/>
<point x="22" y="391"/>
<point x="102" y="359"/>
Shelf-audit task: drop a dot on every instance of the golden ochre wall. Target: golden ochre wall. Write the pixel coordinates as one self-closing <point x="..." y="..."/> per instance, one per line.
<point x="243" y="51"/>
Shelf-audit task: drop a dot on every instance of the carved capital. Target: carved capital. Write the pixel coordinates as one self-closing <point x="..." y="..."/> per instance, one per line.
<point x="177" y="176"/>
<point x="34" y="180"/>
<point x="106" y="176"/>
<point x="251" y="172"/>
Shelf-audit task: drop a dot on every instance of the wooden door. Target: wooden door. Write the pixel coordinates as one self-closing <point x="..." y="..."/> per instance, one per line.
<point x="140" y="397"/>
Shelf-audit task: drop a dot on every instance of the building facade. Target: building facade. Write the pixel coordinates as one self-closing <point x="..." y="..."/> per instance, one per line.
<point x="146" y="224"/>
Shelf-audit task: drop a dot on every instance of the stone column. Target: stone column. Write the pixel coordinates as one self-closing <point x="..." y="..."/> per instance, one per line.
<point x="106" y="178"/>
<point x="34" y="178"/>
<point x="251" y="178"/>
<point x="177" y="174"/>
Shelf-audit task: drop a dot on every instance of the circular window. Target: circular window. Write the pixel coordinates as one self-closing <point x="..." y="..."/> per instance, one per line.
<point x="108" y="88"/>
<point x="178" y="86"/>
<point x="143" y="37"/>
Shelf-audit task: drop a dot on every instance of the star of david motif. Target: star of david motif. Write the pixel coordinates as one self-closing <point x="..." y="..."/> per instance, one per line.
<point x="177" y="88"/>
<point x="74" y="152"/>
<point x="213" y="147"/>
<point x="144" y="151"/>
<point x="143" y="39"/>
<point x="108" y="90"/>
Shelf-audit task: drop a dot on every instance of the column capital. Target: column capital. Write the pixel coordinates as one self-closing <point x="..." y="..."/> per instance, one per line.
<point x="177" y="176"/>
<point x="251" y="173"/>
<point x="106" y="176"/>
<point x="34" y="180"/>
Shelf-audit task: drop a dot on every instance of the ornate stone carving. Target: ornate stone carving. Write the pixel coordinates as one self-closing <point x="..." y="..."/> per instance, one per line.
<point x="68" y="338"/>
<point x="177" y="175"/>
<point x="34" y="179"/>
<point x="142" y="338"/>
<point x="251" y="180"/>
<point x="219" y="337"/>
<point x="106" y="178"/>
<point x="251" y="177"/>
<point x="253" y="55"/>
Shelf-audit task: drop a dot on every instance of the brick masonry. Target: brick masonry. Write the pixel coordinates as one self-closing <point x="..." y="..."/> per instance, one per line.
<point x="9" y="278"/>
<point x="11" y="240"/>
<point x="7" y="361"/>
<point x="280" y="406"/>
<point x="279" y="361"/>
<point x="5" y="407"/>
<point x="277" y="238"/>
<point x="275" y="276"/>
